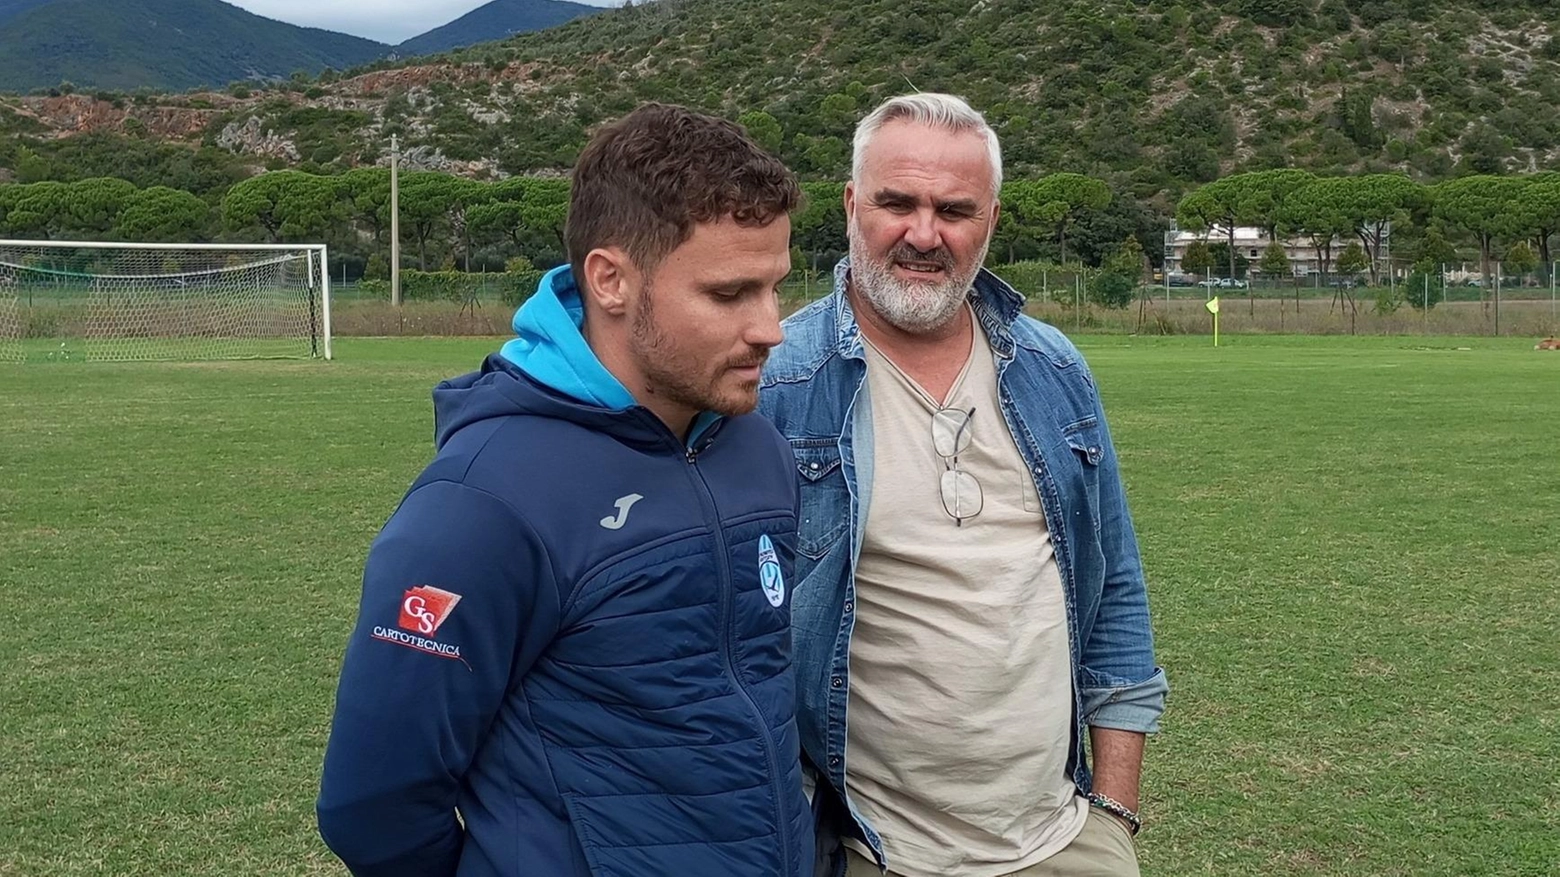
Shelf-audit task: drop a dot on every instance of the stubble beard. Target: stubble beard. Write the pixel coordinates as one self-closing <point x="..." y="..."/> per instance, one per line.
<point x="682" y="379"/>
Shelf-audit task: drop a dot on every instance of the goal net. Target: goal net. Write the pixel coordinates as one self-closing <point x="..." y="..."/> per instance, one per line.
<point x="113" y="302"/>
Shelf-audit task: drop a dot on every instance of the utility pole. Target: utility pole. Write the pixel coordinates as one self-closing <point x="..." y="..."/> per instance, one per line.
<point x="395" y="223"/>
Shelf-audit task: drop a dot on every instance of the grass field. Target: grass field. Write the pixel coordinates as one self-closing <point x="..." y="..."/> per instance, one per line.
<point x="1353" y="547"/>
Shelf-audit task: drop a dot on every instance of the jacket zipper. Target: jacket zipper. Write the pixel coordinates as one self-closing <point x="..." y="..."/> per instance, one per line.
<point x="727" y="584"/>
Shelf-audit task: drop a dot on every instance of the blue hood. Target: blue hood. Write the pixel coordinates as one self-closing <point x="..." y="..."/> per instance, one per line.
<point x="551" y="349"/>
<point x="548" y="370"/>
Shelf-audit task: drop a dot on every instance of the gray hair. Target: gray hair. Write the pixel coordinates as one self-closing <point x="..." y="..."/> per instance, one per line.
<point x="944" y="111"/>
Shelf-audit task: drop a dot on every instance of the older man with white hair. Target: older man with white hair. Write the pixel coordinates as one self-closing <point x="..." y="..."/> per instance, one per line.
<point x="969" y="589"/>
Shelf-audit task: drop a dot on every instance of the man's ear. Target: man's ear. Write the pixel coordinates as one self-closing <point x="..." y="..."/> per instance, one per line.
<point x="610" y="280"/>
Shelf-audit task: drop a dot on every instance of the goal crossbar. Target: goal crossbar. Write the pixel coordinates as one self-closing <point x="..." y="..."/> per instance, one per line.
<point x="203" y="273"/>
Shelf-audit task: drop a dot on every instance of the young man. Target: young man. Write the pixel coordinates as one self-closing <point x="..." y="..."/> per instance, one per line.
<point x="573" y="649"/>
<point x="970" y="606"/>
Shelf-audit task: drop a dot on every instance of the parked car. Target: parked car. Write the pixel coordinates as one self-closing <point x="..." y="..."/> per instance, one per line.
<point x="1222" y="283"/>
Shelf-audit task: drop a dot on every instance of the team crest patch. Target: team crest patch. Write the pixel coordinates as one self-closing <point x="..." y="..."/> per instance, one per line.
<point x="769" y="576"/>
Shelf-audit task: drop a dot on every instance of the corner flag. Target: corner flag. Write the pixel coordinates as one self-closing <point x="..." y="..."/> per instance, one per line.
<point x="1213" y="308"/>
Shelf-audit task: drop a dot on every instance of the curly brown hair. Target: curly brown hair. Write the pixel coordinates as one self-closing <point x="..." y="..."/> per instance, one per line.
<point x="644" y="181"/>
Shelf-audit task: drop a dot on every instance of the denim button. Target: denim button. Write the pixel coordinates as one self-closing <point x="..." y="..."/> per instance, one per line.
<point x="837" y="682"/>
<point x="834" y="761"/>
<point x="813" y="466"/>
<point x="850" y="606"/>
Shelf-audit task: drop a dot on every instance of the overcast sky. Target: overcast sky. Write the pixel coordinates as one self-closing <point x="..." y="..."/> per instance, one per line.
<point x="389" y="21"/>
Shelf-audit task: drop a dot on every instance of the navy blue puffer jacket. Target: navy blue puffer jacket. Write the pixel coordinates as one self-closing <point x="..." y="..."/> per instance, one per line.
<point x="575" y="632"/>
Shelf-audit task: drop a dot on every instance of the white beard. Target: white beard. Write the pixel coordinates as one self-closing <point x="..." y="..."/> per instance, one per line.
<point x="913" y="307"/>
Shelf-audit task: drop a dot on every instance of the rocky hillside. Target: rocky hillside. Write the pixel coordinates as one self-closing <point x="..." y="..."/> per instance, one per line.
<point x="1154" y="96"/>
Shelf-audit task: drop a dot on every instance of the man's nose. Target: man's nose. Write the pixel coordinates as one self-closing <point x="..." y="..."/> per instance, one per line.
<point x="765" y="331"/>
<point x="923" y="233"/>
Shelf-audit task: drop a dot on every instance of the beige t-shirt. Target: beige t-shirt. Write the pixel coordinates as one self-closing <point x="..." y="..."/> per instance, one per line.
<point x="960" y="708"/>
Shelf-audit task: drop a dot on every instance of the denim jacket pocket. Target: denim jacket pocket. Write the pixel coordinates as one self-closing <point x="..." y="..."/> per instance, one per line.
<point x="825" y="498"/>
<point x="1088" y="447"/>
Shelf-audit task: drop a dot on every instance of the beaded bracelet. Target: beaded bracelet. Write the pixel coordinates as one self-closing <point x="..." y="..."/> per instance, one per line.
<point x="1116" y="808"/>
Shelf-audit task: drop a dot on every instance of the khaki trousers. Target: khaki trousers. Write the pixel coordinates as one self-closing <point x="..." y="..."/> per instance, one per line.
<point x="1103" y="849"/>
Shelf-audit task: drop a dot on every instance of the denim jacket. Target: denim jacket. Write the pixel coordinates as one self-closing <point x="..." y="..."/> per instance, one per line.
<point x="815" y="392"/>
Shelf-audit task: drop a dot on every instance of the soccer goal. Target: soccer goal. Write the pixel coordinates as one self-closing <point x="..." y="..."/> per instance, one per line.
<point x="121" y="302"/>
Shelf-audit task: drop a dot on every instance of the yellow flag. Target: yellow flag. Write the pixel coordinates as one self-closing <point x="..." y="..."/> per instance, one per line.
<point x="1212" y="305"/>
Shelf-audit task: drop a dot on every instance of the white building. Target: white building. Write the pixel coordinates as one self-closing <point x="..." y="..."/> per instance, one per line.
<point x="1251" y="242"/>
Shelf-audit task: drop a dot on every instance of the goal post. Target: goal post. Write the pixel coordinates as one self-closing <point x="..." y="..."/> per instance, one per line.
<point x="121" y="302"/>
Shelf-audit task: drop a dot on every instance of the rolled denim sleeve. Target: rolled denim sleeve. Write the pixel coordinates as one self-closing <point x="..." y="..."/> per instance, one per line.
<point x="1122" y="687"/>
<point x="1132" y="707"/>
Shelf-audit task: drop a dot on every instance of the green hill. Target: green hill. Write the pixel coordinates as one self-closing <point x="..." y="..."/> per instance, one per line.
<point x="495" y="21"/>
<point x="1154" y="96"/>
<point x="172" y="44"/>
<point x="1167" y="93"/>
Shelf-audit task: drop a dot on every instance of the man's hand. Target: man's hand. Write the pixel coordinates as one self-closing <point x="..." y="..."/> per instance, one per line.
<point x="1118" y="763"/>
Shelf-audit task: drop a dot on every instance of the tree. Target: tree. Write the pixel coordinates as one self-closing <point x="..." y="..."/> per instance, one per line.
<point x="499" y="220"/>
<point x="824" y="155"/>
<point x="546" y="207"/>
<point x="39" y="210"/>
<point x="1484" y="150"/>
<point x="93" y="205"/>
<point x="1539" y="208"/>
<point x="1220" y="254"/>
<point x="1275" y="13"/>
<point x="1220" y="205"/>
<point x="819" y="227"/>
<point x="1372" y="203"/>
<point x="1353" y="262"/>
<point x="1425" y="286"/>
<point x="1057" y="201"/>
<point x="1357" y="120"/>
<point x="289" y="205"/>
<point x="163" y="215"/>
<point x="836" y="113"/>
<point x="1433" y="249"/>
<point x="1263" y="194"/>
<point x="1483" y="207"/>
<point x="1315" y="209"/>
<point x="1119" y="278"/>
<point x="1275" y="261"/>
<point x="1111" y="289"/>
<point x="1520" y="259"/>
<point x="1335" y="14"/>
<point x="466" y="194"/>
<point x="427" y="200"/>
<point x="764" y="129"/>
<point x="1098" y="233"/>
<point x="1197" y="258"/>
<point x="366" y="195"/>
<point x="9" y="195"/>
